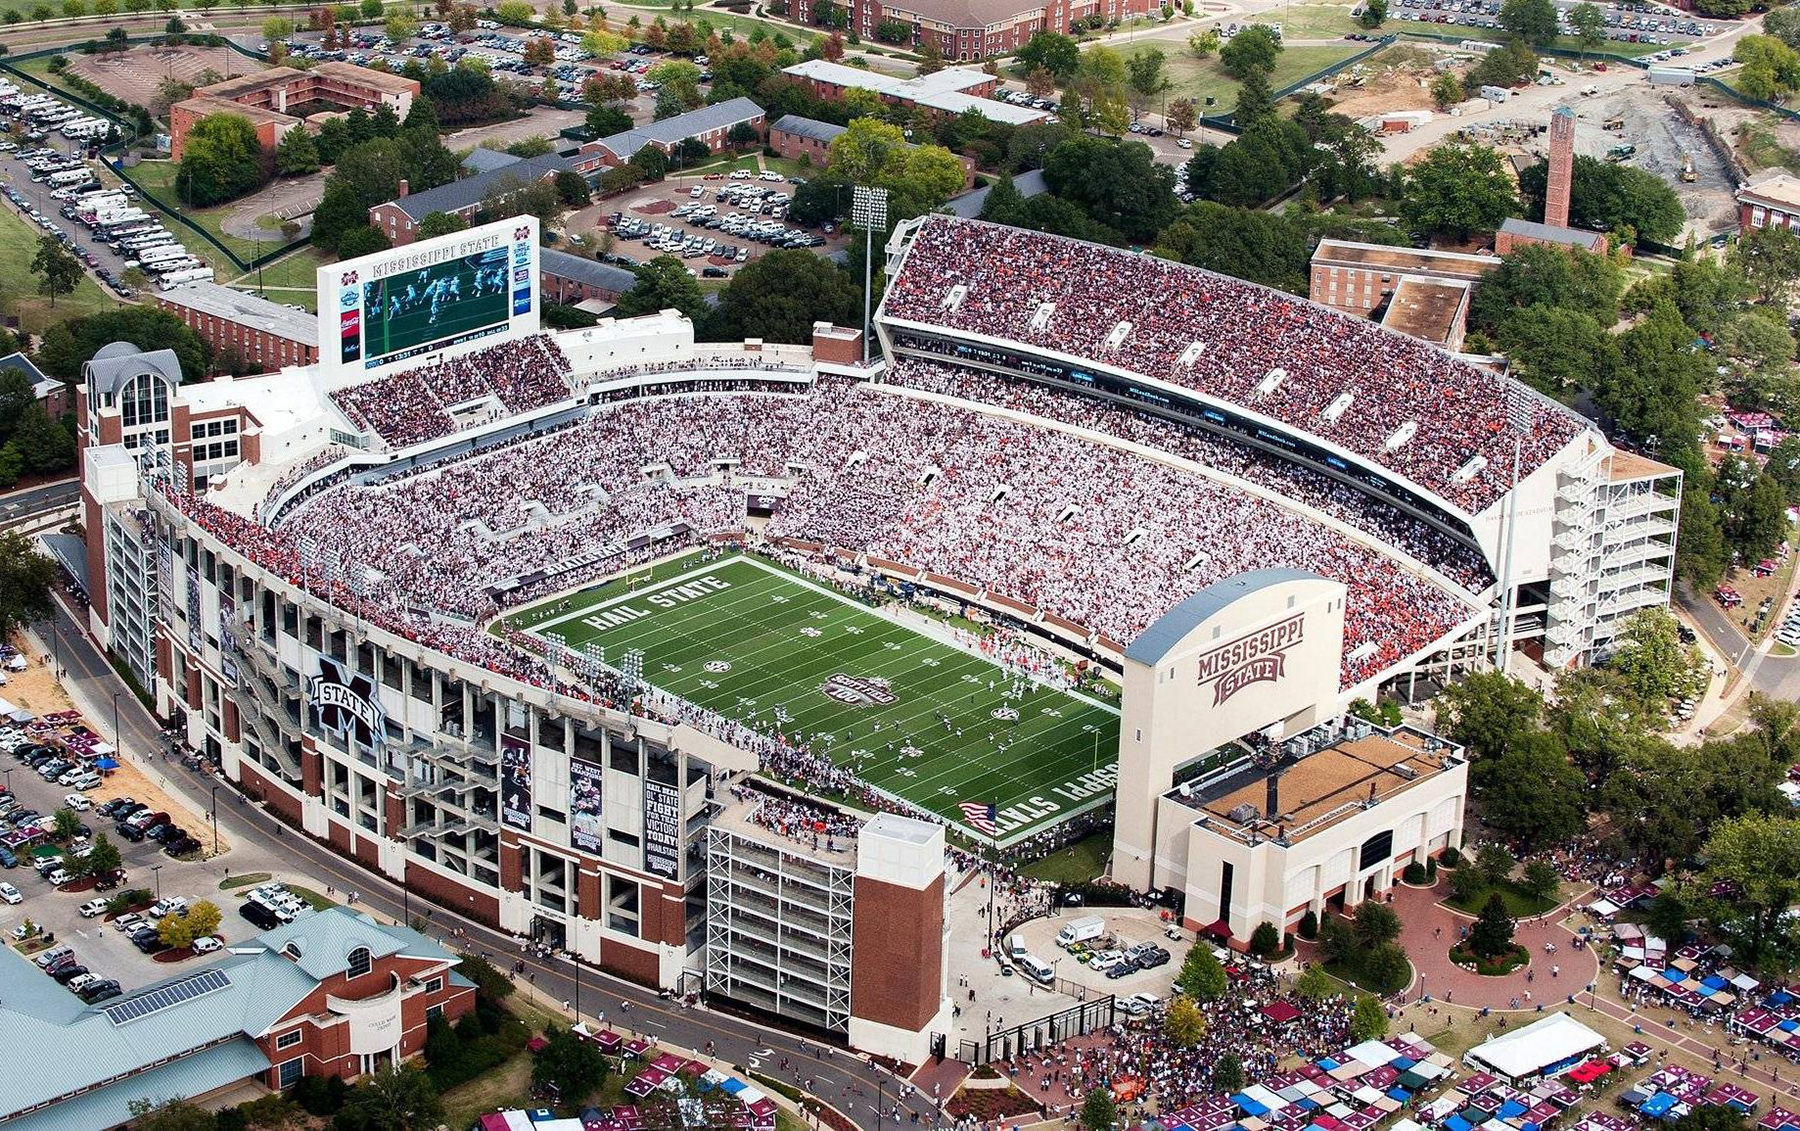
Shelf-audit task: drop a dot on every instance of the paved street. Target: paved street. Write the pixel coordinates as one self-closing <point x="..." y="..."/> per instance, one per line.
<point x="37" y="500"/>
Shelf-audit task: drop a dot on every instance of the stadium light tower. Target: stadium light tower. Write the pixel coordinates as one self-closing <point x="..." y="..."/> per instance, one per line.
<point x="868" y="211"/>
<point x="1518" y="418"/>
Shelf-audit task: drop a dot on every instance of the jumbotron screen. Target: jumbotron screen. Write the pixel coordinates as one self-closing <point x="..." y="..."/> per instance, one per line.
<point x="400" y="304"/>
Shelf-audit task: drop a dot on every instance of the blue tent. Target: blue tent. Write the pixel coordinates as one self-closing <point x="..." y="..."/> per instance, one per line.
<point x="1509" y="1109"/>
<point x="1327" y="1063"/>
<point x="733" y="1086"/>
<point x="1399" y="1095"/>
<point x="1457" y="1123"/>
<point x="1777" y="999"/>
<point x="1715" y="983"/>
<point x="1789" y="1025"/>
<point x="1401" y="1063"/>
<point x="1658" y="1105"/>
<point x="1249" y="1106"/>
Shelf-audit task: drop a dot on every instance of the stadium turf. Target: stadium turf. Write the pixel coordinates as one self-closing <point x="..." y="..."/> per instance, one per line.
<point x="401" y="315"/>
<point x="760" y="645"/>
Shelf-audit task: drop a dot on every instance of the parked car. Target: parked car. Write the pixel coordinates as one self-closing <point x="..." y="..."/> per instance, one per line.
<point x="100" y="990"/>
<point x="11" y="894"/>
<point x="93" y="907"/>
<point x="68" y="971"/>
<point x="206" y="944"/>
<point x="78" y="802"/>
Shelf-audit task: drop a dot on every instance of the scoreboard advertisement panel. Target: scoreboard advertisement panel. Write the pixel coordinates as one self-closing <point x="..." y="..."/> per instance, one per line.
<point x="402" y="305"/>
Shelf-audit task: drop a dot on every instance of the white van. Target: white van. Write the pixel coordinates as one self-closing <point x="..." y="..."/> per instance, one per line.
<point x="1036" y="969"/>
<point x="1080" y="930"/>
<point x="1015" y="946"/>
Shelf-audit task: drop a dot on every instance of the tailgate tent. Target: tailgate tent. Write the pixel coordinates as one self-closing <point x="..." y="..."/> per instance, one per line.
<point x="1528" y="1052"/>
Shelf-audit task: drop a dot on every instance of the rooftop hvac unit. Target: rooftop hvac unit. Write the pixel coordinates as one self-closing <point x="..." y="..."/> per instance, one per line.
<point x="1242" y="814"/>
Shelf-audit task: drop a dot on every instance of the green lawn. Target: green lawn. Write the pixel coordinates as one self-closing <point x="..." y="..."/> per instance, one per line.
<point x="1323" y="19"/>
<point x="780" y="654"/>
<point x="157" y="178"/>
<point x="1080" y="863"/>
<point x="18" y="286"/>
<point x="1200" y="79"/>
<point x="1520" y="903"/>
<point x="291" y="280"/>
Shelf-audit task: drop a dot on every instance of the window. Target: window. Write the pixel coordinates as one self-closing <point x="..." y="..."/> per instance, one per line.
<point x="434" y="985"/>
<point x="291" y="1071"/>
<point x="288" y="1040"/>
<point x="432" y="1012"/>
<point x="357" y="964"/>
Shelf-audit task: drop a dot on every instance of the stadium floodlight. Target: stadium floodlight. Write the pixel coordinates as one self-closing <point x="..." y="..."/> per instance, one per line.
<point x="868" y="211"/>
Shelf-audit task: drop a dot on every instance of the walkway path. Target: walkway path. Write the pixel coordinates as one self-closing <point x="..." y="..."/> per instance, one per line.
<point x="1429" y="929"/>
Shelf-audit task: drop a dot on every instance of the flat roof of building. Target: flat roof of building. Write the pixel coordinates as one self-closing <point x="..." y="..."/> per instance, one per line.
<point x="564" y="265"/>
<point x="245" y="309"/>
<point x="1550" y="233"/>
<point x="945" y="90"/>
<point x="1777" y="187"/>
<point x="1629" y="465"/>
<point x="369" y="77"/>
<point x="743" y="799"/>
<point x="1320" y="788"/>
<point x="470" y="191"/>
<point x="201" y="105"/>
<point x="1458" y="263"/>
<point x="239" y="85"/>
<point x="1427" y="309"/>
<point x="670" y="131"/>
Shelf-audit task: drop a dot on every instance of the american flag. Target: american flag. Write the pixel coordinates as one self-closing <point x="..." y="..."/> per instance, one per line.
<point x="980" y="815"/>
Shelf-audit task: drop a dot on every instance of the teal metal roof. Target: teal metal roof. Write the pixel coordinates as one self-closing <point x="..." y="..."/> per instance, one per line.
<point x="110" y="1106"/>
<point x="320" y="944"/>
<point x="1154" y="642"/>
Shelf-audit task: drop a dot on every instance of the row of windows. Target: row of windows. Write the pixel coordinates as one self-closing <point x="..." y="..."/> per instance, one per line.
<point x="206" y="453"/>
<point x="210" y="428"/>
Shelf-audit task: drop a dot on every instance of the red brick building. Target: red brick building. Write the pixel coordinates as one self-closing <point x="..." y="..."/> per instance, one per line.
<point x="271" y="98"/>
<point x="795" y="137"/>
<point x="978" y="29"/>
<point x="568" y="279"/>
<point x="266" y="335"/>
<point x="1770" y="201"/>
<point x="332" y="993"/>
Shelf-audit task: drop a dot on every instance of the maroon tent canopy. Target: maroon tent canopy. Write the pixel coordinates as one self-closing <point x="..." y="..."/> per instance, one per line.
<point x="1280" y="1011"/>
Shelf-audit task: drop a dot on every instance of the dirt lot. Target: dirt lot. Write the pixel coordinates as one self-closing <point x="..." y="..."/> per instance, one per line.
<point x="1663" y="138"/>
<point x="134" y="75"/>
<point x="1395" y="79"/>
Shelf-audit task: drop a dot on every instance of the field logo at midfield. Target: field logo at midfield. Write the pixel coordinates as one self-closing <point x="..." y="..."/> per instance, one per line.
<point x="858" y="691"/>
<point x="718" y="667"/>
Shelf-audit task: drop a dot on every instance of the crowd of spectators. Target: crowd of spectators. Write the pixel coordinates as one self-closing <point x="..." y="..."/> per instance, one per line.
<point x="415" y="405"/>
<point x="1224" y="338"/>
<point x="796" y="818"/>
<point x="1236" y="1025"/>
<point x="1387" y="524"/>
<point x="1104" y="537"/>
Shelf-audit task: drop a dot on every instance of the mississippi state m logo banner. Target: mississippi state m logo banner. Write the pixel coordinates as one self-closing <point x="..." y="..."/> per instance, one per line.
<point x="857" y="691"/>
<point x="1260" y="657"/>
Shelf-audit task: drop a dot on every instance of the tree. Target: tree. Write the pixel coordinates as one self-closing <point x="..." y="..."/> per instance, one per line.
<point x="1534" y="21"/>
<point x="1488" y="712"/>
<point x="361" y="241"/>
<point x="1560" y="350"/>
<point x="1541" y="879"/>
<point x="1386" y="969"/>
<point x="679" y="76"/>
<point x="1532" y="794"/>
<point x="1253" y="49"/>
<point x="1184" y="1024"/>
<point x="58" y="271"/>
<point x="662" y="283"/>
<point x="1610" y="197"/>
<point x="440" y="224"/>
<point x="1263" y="247"/>
<point x="1513" y="63"/>
<point x="177" y="931"/>
<point x="1589" y="26"/>
<point x="1265" y="940"/>
<point x="781" y="295"/>
<point x="1456" y="191"/>
<point x="1144" y="76"/>
<point x="1784" y="24"/>
<point x="1374" y="13"/>
<point x="1052" y="51"/>
<point x="296" y="154"/>
<point x="1314" y="984"/>
<point x="65" y="822"/>
<point x="1494" y="863"/>
<point x="1182" y="116"/>
<point x="1771" y="69"/>
<point x="1649" y="656"/>
<point x="1203" y="44"/>
<point x="1561" y="277"/>
<point x="1446" y="90"/>
<point x="1228" y="1072"/>
<point x="1098" y="1112"/>
<point x="1652" y="396"/>
<point x="1491" y="936"/>
<point x="277" y="27"/>
<point x="68" y="345"/>
<point x="170" y="1115"/>
<point x="1202" y="977"/>
<point x="102" y="859"/>
<point x="573" y="1066"/>
<point x="931" y="57"/>
<point x="400" y="25"/>
<point x="1768" y="258"/>
<point x="1368" y="1022"/>
<point x="403" y="1099"/>
<point x="222" y="160"/>
<point x="1712" y="1117"/>
<point x="1375" y="923"/>
<point x="607" y="119"/>
<point x="1119" y="185"/>
<point x="1756" y="859"/>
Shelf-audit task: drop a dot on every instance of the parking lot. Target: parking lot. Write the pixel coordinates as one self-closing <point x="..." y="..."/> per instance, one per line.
<point x="716" y="222"/>
<point x="1625" y="22"/>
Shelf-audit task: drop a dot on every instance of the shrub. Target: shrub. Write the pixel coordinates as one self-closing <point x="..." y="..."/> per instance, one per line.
<point x="1450" y="858"/>
<point x="1431" y="869"/>
<point x="1265" y="940"/>
<point x="1414" y="874"/>
<point x="1309" y="925"/>
<point x="320" y="1095"/>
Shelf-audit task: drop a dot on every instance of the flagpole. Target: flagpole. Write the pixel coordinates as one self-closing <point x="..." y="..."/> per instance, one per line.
<point x="993" y="878"/>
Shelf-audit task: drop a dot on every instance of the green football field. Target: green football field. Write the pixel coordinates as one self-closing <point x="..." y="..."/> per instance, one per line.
<point x="766" y="647"/>
<point x="398" y="318"/>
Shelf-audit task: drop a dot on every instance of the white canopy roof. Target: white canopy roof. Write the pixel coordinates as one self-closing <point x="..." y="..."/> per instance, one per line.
<point x="1528" y="1051"/>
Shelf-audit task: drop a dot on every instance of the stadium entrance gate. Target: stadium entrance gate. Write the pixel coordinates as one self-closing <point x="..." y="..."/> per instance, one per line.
<point x="1046" y="1030"/>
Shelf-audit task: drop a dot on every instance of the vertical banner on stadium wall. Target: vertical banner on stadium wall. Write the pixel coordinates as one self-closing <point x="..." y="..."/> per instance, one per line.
<point x="515" y="782"/>
<point x="165" y="578"/>
<point x="662" y="830"/>
<point x="193" y="609"/>
<point x="402" y="304"/>
<point x="228" y="639"/>
<point x="584" y="805"/>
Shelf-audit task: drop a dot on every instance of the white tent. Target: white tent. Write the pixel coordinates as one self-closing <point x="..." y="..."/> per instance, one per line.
<point x="1526" y="1052"/>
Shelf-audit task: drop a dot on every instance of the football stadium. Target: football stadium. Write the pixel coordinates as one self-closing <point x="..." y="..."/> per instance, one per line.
<point x="588" y="633"/>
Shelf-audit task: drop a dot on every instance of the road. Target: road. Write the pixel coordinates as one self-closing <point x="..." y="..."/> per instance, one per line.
<point x="37" y="500"/>
<point x="838" y="1077"/>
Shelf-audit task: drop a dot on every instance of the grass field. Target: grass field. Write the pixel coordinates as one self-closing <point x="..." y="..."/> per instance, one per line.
<point x="18" y="286"/>
<point x="772" y="650"/>
<point x="158" y="181"/>
<point x="291" y="280"/>
<point x="1200" y="79"/>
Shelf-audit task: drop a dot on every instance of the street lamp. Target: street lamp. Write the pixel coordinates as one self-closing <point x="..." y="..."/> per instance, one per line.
<point x="868" y="211"/>
<point x="156" y="870"/>
<point x="215" y="817"/>
<point x="118" y="739"/>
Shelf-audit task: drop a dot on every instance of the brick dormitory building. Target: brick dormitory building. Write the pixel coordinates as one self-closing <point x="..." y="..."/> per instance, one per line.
<point x="332" y="993"/>
<point x="977" y="29"/>
<point x="266" y="335"/>
<point x="273" y="98"/>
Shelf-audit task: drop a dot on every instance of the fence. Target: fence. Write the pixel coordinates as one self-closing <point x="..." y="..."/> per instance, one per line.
<point x="1047" y="1030"/>
<point x="9" y="66"/>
